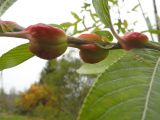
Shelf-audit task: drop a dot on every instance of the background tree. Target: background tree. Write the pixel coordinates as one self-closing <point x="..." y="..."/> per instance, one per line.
<point x="65" y="85"/>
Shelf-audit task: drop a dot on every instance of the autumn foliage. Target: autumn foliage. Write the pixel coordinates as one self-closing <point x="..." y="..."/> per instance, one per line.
<point x="36" y="95"/>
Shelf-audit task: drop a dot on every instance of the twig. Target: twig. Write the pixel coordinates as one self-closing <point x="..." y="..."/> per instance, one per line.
<point x="14" y="34"/>
<point x="156" y="18"/>
<point x="145" y="19"/>
<point x="76" y="42"/>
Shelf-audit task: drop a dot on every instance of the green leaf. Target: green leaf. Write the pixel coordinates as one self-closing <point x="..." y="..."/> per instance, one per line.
<point x="113" y="1"/>
<point x="86" y="5"/>
<point x="66" y="25"/>
<point x="107" y="47"/>
<point x="135" y="7"/>
<point x="75" y="15"/>
<point x="15" y="57"/>
<point x="114" y="56"/>
<point x="102" y="9"/>
<point x="106" y="35"/>
<point x="125" y="23"/>
<point x="153" y="31"/>
<point x="127" y="90"/>
<point x="56" y="25"/>
<point x="5" y="4"/>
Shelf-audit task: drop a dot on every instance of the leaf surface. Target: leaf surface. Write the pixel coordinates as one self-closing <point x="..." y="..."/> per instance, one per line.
<point x="127" y="90"/>
<point x="15" y="57"/>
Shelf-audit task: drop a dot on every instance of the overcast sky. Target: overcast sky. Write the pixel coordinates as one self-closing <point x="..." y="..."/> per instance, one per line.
<point x="27" y="12"/>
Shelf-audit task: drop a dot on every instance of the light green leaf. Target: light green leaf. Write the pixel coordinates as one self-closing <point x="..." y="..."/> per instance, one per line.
<point x="102" y="9"/>
<point x="114" y="56"/>
<point x="135" y="7"/>
<point x="75" y="15"/>
<point x="106" y="35"/>
<point x="5" y="4"/>
<point x="56" y="25"/>
<point x="107" y="47"/>
<point x="66" y="25"/>
<point x="153" y="31"/>
<point x="15" y="57"/>
<point x="127" y="90"/>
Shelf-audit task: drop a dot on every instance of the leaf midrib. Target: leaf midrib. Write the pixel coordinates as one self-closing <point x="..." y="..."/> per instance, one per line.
<point x="149" y="90"/>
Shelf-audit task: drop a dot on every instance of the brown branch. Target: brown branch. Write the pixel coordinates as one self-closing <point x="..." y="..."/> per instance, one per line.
<point x="76" y="42"/>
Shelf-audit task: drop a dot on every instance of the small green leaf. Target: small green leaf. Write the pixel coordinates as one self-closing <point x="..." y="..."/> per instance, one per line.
<point x="114" y="55"/>
<point x="125" y="23"/>
<point x="76" y="16"/>
<point x="153" y="31"/>
<point x="56" y="25"/>
<point x="106" y="35"/>
<point x="15" y="57"/>
<point x="86" y="5"/>
<point x="113" y="1"/>
<point x="66" y="25"/>
<point x="135" y="7"/>
<point x="102" y="9"/>
<point x="107" y="47"/>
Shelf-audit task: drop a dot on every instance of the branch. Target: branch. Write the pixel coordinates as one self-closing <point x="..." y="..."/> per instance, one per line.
<point x="14" y="34"/>
<point x="76" y="42"/>
<point x="145" y="19"/>
<point x="156" y="18"/>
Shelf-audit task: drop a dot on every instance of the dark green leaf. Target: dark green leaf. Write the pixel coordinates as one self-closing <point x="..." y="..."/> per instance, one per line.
<point x="15" y="57"/>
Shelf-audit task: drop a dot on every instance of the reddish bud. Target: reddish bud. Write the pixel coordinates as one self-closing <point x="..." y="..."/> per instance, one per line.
<point x="133" y="40"/>
<point x="91" y="53"/>
<point x="45" y="41"/>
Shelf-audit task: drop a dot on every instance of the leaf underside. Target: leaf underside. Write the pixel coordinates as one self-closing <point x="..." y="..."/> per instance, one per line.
<point x="5" y="4"/>
<point x="102" y="9"/>
<point x="128" y="90"/>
